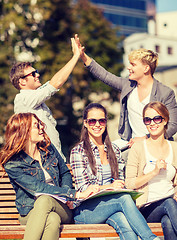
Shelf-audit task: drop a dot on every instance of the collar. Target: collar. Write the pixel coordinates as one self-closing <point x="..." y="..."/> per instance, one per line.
<point x="29" y="159"/>
<point x="94" y="146"/>
<point x="154" y="87"/>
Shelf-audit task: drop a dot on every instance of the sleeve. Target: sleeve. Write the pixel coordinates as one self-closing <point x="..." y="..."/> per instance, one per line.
<point x="34" y="98"/>
<point x="26" y="179"/>
<point x="65" y="175"/>
<point x="132" y="167"/>
<point x="170" y="102"/>
<point x="105" y="76"/>
<point x="80" y="170"/>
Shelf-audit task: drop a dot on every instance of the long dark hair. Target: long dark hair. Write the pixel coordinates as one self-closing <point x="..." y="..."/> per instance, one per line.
<point x="105" y="137"/>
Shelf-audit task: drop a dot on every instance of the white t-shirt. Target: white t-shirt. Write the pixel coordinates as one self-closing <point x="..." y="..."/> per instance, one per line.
<point x="135" y="113"/>
<point x="160" y="186"/>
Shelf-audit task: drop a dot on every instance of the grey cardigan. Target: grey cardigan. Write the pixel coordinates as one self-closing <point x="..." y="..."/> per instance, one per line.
<point x="159" y="92"/>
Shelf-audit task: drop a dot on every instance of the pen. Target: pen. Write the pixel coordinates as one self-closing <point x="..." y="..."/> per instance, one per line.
<point x="152" y="162"/>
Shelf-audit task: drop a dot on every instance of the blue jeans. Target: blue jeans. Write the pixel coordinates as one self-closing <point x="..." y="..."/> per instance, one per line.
<point x="117" y="210"/>
<point x="164" y="211"/>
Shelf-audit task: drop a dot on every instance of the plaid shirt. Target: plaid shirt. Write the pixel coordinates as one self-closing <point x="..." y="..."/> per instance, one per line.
<point x="81" y="169"/>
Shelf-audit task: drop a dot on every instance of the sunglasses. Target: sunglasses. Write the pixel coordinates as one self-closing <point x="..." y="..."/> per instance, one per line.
<point x="32" y="73"/>
<point x="156" y="119"/>
<point x="92" y="121"/>
<point x="38" y="125"/>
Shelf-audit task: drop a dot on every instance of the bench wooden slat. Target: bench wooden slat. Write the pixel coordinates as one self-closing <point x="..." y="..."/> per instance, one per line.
<point x="11" y="215"/>
<point x="76" y="230"/>
<point x="5" y="186"/>
<point x="8" y="210"/>
<point x="10" y="227"/>
<point x="87" y="230"/>
<point x="9" y="222"/>
<point x="7" y="197"/>
<point x="5" y="179"/>
<point x="7" y="191"/>
<point x="7" y="203"/>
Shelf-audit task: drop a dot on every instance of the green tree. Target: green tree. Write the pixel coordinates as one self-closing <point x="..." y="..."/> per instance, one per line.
<point x="39" y="31"/>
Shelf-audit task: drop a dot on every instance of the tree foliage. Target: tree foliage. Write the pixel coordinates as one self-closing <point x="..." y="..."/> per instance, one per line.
<point x="39" y="31"/>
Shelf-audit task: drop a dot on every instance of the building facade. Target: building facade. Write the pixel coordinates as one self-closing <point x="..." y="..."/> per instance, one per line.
<point x="131" y="16"/>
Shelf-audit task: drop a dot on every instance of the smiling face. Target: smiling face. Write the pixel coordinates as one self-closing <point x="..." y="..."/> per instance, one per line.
<point x="155" y="129"/>
<point x="29" y="82"/>
<point x="96" y="131"/>
<point x="137" y="70"/>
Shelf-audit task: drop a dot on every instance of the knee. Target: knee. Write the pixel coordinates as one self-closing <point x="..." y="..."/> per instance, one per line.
<point x="169" y="202"/>
<point x="53" y="220"/>
<point x="43" y="202"/>
<point x="166" y="223"/>
<point x="126" y="198"/>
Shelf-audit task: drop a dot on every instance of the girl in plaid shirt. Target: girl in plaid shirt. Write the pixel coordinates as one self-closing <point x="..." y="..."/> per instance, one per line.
<point x="96" y="165"/>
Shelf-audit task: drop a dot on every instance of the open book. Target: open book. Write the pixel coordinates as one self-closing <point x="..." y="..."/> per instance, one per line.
<point x="109" y="191"/>
<point x="61" y="199"/>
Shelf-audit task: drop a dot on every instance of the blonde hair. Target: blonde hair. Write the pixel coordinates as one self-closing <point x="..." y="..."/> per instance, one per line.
<point x="146" y="57"/>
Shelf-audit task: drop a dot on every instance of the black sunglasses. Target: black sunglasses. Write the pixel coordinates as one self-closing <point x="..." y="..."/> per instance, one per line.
<point x="156" y="119"/>
<point x="32" y="73"/>
<point x="92" y="121"/>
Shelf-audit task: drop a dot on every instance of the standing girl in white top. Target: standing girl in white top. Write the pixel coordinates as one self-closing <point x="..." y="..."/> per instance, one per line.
<point x="151" y="167"/>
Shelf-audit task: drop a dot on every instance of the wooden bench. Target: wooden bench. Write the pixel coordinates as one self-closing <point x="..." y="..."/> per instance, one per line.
<point x="10" y="227"/>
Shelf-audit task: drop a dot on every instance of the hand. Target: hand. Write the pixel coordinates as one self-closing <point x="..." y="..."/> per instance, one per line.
<point x="75" y="48"/>
<point x="118" y="184"/>
<point x="89" y="191"/>
<point x="160" y="164"/>
<point x="135" y="139"/>
<point x="70" y="204"/>
<point x="81" y="48"/>
<point x="175" y="197"/>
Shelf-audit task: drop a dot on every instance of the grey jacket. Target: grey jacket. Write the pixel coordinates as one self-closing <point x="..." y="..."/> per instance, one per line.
<point x="159" y="93"/>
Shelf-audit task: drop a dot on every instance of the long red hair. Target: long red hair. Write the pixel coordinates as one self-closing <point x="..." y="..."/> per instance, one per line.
<point x="17" y="133"/>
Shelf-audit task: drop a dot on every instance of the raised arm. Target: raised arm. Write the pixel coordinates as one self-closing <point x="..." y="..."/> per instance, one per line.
<point x="85" y="58"/>
<point x="62" y="75"/>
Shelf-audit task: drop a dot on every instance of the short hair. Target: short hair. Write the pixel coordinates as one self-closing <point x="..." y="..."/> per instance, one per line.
<point x="146" y="57"/>
<point x="17" y="72"/>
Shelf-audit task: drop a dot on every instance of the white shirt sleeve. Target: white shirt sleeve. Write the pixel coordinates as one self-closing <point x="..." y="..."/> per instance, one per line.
<point x="31" y="99"/>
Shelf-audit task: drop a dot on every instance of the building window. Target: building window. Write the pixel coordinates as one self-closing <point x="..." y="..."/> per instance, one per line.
<point x="170" y="50"/>
<point x="157" y="48"/>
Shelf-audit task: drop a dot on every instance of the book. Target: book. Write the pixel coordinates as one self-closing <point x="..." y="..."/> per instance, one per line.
<point x="110" y="191"/>
<point x="158" y="199"/>
<point x="61" y="199"/>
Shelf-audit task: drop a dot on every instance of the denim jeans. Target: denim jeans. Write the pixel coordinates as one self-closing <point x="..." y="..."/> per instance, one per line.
<point x="117" y="210"/>
<point x="164" y="211"/>
<point x="43" y="221"/>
